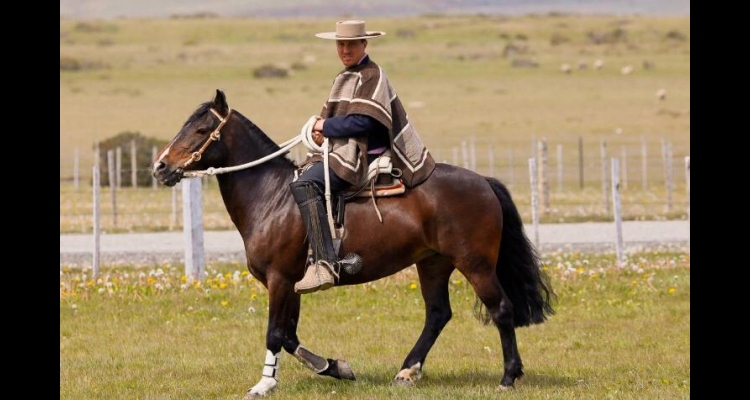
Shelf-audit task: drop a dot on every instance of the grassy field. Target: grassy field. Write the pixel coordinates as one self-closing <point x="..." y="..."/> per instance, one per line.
<point x="619" y="333"/>
<point x="455" y="74"/>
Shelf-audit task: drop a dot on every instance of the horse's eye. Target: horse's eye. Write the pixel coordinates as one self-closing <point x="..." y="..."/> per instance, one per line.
<point x="203" y="131"/>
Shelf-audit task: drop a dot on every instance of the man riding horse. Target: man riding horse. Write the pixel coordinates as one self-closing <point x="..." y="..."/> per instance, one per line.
<point x="362" y="118"/>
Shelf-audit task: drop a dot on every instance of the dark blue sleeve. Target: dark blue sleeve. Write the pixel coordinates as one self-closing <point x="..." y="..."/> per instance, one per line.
<point x="350" y="125"/>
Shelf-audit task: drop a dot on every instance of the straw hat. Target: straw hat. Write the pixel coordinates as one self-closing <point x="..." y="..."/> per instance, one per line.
<point x="350" y="30"/>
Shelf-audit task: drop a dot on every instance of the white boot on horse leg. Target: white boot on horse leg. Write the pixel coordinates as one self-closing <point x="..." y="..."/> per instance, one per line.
<point x="270" y="380"/>
<point x="407" y="376"/>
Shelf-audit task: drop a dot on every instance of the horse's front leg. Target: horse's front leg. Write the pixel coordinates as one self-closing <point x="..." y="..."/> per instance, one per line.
<point x="283" y="316"/>
<point x="283" y="313"/>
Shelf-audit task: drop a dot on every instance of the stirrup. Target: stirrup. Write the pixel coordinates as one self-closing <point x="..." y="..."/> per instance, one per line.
<point x="318" y="276"/>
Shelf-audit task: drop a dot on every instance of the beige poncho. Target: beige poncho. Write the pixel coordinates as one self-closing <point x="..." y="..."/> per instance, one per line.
<point x="365" y="89"/>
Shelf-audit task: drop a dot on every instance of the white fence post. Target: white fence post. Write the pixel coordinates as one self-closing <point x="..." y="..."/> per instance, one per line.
<point x="669" y="177"/>
<point x="112" y="185"/>
<point x="192" y="218"/>
<point x="560" y="174"/>
<point x="97" y="217"/>
<point x="644" y="164"/>
<point x="133" y="165"/>
<point x="617" y="210"/>
<point x="534" y="200"/>
<point x="542" y="168"/>
<point x="118" y="167"/>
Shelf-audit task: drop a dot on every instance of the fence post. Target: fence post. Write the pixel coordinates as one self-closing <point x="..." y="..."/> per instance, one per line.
<point x="644" y="164"/>
<point x="560" y="174"/>
<point x="134" y="169"/>
<point x="534" y="200"/>
<point x="96" y="227"/>
<point x="670" y="173"/>
<point x="617" y="211"/>
<point x="112" y="185"/>
<point x="605" y="176"/>
<point x="118" y="167"/>
<point x="192" y="219"/>
<point x="543" y="167"/>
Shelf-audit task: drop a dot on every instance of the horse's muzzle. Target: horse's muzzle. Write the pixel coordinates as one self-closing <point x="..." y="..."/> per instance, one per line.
<point x="167" y="176"/>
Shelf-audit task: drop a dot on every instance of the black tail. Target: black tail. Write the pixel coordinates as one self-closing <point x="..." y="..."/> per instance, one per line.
<point x="519" y="268"/>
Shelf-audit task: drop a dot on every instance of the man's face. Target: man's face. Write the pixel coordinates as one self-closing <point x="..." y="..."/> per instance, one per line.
<point x="351" y="51"/>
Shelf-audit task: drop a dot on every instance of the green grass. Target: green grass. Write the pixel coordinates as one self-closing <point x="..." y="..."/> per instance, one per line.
<point x="144" y="333"/>
<point x="453" y="75"/>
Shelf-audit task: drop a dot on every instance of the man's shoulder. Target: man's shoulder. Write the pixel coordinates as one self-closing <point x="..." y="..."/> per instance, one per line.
<point x="371" y="70"/>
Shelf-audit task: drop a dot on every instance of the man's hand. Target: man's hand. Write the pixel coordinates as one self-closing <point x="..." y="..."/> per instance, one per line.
<point x="317" y="137"/>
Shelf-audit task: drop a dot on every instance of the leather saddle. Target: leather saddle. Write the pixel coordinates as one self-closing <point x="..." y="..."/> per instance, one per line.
<point x="381" y="180"/>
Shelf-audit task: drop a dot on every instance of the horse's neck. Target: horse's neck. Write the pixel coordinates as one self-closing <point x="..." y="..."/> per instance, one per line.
<point x="254" y="194"/>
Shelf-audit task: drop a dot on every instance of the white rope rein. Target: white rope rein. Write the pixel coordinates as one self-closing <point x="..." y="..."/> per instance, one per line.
<point x="305" y="137"/>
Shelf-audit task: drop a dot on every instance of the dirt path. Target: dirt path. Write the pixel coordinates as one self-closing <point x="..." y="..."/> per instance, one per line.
<point x="154" y="248"/>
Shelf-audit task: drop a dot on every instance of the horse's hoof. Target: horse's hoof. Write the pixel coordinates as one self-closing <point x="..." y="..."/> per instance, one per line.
<point x="402" y="382"/>
<point x="344" y="370"/>
<point x="262" y="388"/>
<point x="504" y="388"/>
<point x="408" y="376"/>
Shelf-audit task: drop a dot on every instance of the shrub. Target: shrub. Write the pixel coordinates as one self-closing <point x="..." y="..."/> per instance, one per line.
<point x="144" y="157"/>
<point x="270" y="71"/>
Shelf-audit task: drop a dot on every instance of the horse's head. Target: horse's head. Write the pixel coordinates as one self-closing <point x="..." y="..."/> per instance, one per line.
<point x="197" y="144"/>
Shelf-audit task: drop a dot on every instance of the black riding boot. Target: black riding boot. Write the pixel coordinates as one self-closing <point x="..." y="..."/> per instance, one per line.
<point x="322" y="273"/>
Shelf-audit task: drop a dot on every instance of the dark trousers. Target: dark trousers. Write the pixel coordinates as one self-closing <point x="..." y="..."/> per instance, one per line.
<point x="316" y="175"/>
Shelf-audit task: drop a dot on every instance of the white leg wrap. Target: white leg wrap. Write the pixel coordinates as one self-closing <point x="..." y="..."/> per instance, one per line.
<point x="271" y="367"/>
<point x="270" y="375"/>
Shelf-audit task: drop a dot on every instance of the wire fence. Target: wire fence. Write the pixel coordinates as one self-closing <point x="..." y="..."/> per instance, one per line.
<point x="574" y="185"/>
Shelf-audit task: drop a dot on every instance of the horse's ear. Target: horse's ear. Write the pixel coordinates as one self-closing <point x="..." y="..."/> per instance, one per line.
<point x="220" y="101"/>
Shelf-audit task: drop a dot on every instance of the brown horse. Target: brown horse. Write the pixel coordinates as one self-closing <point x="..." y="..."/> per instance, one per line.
<point x="455" y="220"/>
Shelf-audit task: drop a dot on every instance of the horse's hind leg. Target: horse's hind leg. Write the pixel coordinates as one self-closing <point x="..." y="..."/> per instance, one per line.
<point x="500" y="309"/>
<point x="434" y="275"/>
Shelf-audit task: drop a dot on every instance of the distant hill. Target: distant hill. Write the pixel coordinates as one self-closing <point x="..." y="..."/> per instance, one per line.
<point x="111" y="9"/>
